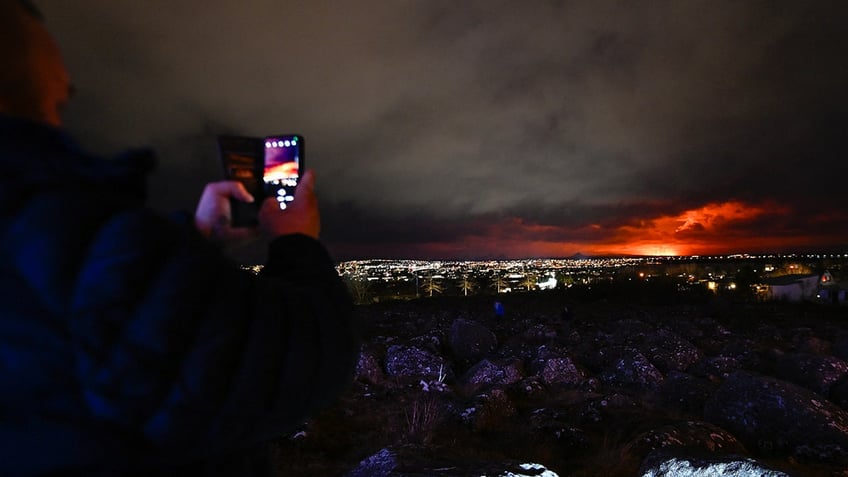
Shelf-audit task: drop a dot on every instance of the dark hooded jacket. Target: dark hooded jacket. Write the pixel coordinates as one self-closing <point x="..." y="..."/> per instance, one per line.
<point x="129" y="344"/>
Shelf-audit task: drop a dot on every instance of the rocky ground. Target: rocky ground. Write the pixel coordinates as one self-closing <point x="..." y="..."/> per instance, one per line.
<point x="601" y="384"/>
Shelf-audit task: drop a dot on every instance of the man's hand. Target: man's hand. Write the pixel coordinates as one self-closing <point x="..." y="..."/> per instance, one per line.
<point x="300" y="217"/>
<point x="213" y="217"/>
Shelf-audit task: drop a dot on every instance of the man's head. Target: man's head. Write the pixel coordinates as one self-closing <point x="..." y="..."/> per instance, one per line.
<point x="34" y="82"/>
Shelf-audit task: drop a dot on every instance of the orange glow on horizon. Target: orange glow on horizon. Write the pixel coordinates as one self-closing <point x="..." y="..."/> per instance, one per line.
<point x="654" y="250"/>
<point x="712" y="229"/>
<point x="692" y="232"/>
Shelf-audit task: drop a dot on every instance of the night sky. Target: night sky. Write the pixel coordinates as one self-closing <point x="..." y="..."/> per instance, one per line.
<point x="492" y="129"/>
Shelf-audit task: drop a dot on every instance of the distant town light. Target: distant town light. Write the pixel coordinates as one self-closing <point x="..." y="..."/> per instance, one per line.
<point x="548" y="284"/>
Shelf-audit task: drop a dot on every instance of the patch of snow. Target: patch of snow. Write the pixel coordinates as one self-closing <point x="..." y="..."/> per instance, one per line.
<point x="539" y="470"/>
<point x="740" y="468"/>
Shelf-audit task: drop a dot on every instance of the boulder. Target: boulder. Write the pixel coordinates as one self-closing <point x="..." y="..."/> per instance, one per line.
<point x="368" y="368"/>
<point x="605" y="409"/>
<point x="488" y="374"/>
<point x="471" y="341"/>
<point x="630" y="368"/>
<point x="776" y="417"/>
<point x="416" y="363"/>
<point x="812" y="371"/>
<point x="715" y="366"/>
<point x="553" y="425"/>
<point x="670" y="352"/>
<point x="743" y="351"/>
<point x="813" y="344"/>
<point x="380" y="464"/>
<point x="430" y="342"/>
<point x="685" y="392"/>
<point x="539" y="333"/>
<point x="531" y="388"/>
<point x="629" y="331"/>
<point x="839" y="393"/>
<point x="683" y="435"/>
<point x="561" y="371"/>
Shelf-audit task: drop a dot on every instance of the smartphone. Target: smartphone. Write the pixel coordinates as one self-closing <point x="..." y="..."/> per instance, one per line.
<point x="283" y="165"/>
<point x="243" y="161"/>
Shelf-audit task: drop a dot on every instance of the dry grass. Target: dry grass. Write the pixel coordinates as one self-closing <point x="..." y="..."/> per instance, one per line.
<point x="423" y="416"/>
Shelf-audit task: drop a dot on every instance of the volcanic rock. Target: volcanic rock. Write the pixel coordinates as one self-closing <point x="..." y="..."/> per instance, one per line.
<point x="416" y="363"/>
<point x="488" y="374"/>
<point x="814" y="372"/>
<point x="776" y="417"/>
<point x="470" y="340"/>
<point x="620" y="389"/>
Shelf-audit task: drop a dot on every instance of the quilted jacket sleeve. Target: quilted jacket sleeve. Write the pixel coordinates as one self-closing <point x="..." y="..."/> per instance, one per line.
<point x="187" y="354"/>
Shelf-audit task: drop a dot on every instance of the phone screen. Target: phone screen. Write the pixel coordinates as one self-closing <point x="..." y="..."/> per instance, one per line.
<point x="283" y="166"/>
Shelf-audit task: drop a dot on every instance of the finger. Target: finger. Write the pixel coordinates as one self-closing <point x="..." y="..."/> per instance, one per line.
<point x="242" y="194"/>
<point x="269" y="204"/>
<point x="232" y="189"/>
<point x="306" y="185"/>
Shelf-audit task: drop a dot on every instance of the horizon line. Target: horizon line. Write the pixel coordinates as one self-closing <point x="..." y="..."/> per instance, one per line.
<point x="579" y="256"/>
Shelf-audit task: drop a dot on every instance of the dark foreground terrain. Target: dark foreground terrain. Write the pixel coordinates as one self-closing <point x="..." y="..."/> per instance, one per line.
<point x="591" y="385"/>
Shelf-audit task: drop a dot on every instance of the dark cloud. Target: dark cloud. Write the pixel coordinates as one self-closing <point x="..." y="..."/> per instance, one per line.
<point x="432" y="122"/>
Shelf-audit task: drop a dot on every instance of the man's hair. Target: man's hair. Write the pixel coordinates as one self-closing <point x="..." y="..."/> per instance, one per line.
<point x="30" y="8"/>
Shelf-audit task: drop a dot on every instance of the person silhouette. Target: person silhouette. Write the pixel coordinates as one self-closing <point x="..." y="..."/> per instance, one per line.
<point x="129" y="343"/>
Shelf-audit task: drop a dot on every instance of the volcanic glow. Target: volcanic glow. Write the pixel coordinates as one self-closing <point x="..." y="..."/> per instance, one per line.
<point x="691" y="232"/>
<point x="712" y="229"/>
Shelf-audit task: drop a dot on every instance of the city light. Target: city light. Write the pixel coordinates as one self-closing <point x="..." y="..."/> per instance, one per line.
<point x="405" y="279"/>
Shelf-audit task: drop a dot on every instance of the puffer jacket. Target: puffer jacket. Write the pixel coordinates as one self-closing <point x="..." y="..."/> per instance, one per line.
<point x="129" y="344"/>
